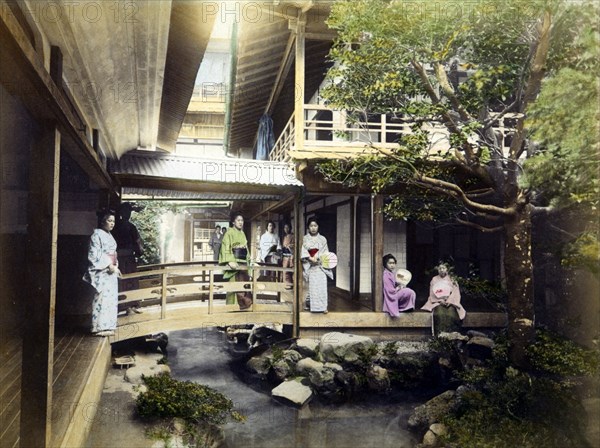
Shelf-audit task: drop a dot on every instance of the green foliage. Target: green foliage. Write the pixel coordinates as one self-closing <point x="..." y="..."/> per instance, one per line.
<point x="167" y="397"/>
<point x="559" y="356"/>
<point x="148" y="222"/>
<point x="504" y="406"/>
<point x="366" y="356"/>
<point x="390" y="349"/>
<point x="480" y="289"/>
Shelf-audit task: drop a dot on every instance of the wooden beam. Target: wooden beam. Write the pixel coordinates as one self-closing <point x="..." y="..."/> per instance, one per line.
<point x="40" y="298"/>
<point x="377" y="251"/>
<point x="284" y="69"/>
<point x="299" y="82"/>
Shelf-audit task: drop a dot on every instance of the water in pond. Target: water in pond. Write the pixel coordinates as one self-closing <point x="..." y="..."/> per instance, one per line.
<point x="204" y="356"/>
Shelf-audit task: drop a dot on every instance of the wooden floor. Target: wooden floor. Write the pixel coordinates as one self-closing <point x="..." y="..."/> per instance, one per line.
<point x="74" y="356"/>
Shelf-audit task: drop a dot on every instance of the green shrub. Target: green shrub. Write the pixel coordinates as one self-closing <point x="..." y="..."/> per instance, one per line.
<point x="390" y="349"/>
<point x="507" y="407"/>
<point x="169" y="398"/>
<point x="556" y="355"/>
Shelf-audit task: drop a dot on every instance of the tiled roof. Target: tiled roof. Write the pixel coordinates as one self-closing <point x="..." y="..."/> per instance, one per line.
<point x="224" y="170"/>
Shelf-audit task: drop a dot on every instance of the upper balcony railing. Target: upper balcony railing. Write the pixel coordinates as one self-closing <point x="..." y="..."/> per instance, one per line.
<point x="329" y="133"/>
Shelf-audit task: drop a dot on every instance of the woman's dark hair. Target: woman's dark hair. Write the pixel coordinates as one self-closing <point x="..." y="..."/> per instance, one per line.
<point x="270" y="222"/>
<point x="310" y="220"/>
<point x="233" y="216"/>
<point x="387" y="258"/>
<point x="103" y="216"/>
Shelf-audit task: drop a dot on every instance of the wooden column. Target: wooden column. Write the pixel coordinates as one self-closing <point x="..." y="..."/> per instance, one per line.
<point x="377" y="254"/>
<point x="299" y="83"/>
<point x="354" y="250"/>
<point x="298" y="304"/>
<point x="40" y="291"/>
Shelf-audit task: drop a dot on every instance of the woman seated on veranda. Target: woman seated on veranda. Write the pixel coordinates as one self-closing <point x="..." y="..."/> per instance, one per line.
<point x="444" y="291"/>
<point x="397" y="297"/>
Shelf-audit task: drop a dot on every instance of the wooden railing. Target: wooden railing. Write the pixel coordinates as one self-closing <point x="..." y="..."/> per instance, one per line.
<point x="283" y="145"/>
<point x="183" y="282"/>
<point x="331" y="133"/>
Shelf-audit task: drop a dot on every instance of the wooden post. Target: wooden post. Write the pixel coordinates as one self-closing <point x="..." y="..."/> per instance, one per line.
<point x="354" y="249"/>
<point x="377" y="254"/>
<point x="298" y="278"/>
<point x="299" y="82"/>
<point x="211" y="287"/>
<point x="163" y="296"/>
<point x="40" y="295"/>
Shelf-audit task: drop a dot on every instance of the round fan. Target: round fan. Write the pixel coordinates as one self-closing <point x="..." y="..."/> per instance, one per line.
<point x="403" y="276"/>
<point x="329" y="260"/>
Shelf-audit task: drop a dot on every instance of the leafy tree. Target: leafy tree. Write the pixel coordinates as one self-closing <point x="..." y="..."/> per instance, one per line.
<point x="148" y="221"/>
<point x="404" y="59"/>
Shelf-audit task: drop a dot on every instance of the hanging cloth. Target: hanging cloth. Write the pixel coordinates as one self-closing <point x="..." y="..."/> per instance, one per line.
<point x="266" y="140"/>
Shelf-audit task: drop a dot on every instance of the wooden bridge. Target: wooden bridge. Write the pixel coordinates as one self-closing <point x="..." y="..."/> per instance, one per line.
<point x="181" y="296"/>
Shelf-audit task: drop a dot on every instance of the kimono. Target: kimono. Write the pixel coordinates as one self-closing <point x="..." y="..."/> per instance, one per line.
<point x="102" y="252"/>
<point x="396" y="300"/>
<point x="215" y="244"/>
<point x="444" y="318"/>
<point x="267" y="241"/>
<point x="233" y="246"/>
<point x="315" y="274"/>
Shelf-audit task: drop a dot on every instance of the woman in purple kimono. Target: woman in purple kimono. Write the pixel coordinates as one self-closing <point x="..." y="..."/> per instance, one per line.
<point x="103" y="274"/>
<point x="396" y="297"/>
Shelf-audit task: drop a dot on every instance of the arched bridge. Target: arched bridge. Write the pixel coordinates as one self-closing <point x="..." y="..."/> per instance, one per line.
<point x="192" y="295"/>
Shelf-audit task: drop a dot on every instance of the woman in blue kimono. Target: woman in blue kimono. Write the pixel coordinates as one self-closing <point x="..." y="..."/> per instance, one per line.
<point x="103" y="274"/>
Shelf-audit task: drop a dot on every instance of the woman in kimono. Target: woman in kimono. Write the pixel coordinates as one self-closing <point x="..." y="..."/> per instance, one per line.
<point x="396" y="297"/>
<point x="313" y="246"/>
<point x="103" y="274"/>
<point x="288" y="254"/>
<point x="234" y="254"/>
<point x="269" y="248"/>
<point x="444" y="302"/>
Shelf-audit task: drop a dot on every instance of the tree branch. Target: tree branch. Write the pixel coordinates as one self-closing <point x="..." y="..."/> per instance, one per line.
<point x="455" y="191"/>
<point x="533" y="84"/>
<point x="442" y="77"/>
<point x="480" y="227"/>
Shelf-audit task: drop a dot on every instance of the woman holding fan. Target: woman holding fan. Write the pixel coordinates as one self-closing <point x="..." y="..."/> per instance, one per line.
<point x="314" y="247"/>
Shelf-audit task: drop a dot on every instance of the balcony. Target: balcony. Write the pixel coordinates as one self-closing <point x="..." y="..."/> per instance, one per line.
<point x="329" y="133"/>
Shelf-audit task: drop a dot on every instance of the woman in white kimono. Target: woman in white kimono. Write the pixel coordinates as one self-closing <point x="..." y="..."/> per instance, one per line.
<point x="313" y="246"/>
<point x="103" y="274"/>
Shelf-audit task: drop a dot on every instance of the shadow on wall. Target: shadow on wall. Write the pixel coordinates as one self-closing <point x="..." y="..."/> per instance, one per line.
<point x="73" y="295"/>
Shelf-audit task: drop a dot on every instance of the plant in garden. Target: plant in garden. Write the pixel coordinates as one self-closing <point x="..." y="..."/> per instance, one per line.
<point x="167" y="397"/>
<point x="517" y="58"/>
<point x="506" y="406"/>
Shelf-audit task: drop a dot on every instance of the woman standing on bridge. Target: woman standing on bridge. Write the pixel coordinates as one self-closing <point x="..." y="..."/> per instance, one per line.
<point x="234" y="254"/>
<point x="103" y="274"/>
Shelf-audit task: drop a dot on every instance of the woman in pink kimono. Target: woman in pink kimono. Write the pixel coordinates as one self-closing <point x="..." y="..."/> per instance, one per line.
<point x="396" y="297"/>
<point x="444" y="291"/>
<point x="103" y="274"/>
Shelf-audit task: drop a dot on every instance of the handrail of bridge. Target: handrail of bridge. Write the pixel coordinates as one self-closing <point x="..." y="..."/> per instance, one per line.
<point x="195" y="280"/>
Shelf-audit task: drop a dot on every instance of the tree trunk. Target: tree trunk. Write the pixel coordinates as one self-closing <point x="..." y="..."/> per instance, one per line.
<point x="519" y="284"/>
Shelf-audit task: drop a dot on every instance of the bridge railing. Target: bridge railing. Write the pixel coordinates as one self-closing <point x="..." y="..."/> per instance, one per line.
<point x="203" y="282"/>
